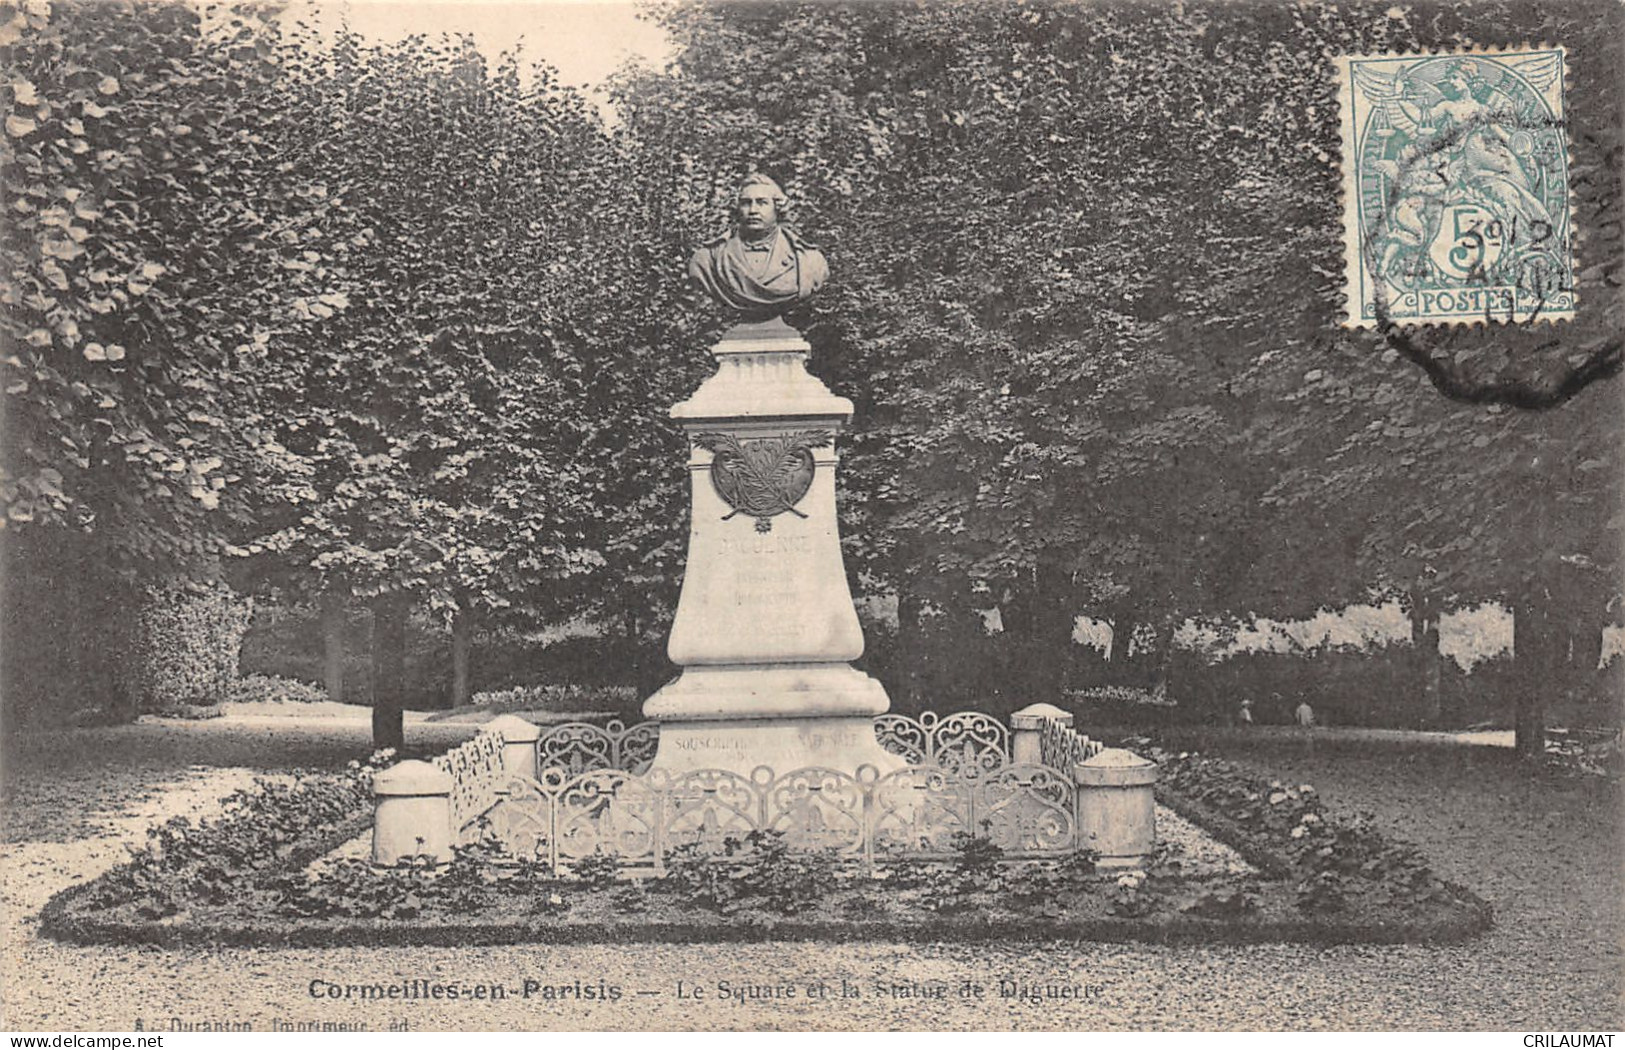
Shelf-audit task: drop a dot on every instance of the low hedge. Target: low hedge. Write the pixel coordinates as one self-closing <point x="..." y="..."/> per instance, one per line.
<point x="274" y="689"/>
<point x="241" y="879"/>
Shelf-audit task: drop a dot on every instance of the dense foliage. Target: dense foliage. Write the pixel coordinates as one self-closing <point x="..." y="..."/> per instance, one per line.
<point x="397" y="324"/>
<point x="262" y="688"/>
<point x="186" y="646"/>
<point x="260" y="833"/>
<point x="1088" y="274"/>
<point x="353" y="317"/>
<point x="151" y="241"/>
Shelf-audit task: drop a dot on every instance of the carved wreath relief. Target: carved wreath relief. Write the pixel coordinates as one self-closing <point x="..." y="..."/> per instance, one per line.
<point x="763" y="477"/>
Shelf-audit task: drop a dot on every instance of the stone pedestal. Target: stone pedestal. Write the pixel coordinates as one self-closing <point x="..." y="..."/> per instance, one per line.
<point x="518" y="744"/>
<point x="1117" y="807"/>
<point x="765" y="627"/>
<point x="413" y="816"/>
<point x="1027" y="731"/>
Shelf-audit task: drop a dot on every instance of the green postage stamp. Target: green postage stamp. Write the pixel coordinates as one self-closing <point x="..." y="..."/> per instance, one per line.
<point x="1456" y="204"/>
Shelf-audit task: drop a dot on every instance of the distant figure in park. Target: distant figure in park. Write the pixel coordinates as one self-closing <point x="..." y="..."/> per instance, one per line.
<point x="763" y="267"/>
<point x="1305" y="715"/>
<point x="1245" y="716"/>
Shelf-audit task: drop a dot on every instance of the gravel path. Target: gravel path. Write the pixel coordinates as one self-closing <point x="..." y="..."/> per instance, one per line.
<point x="1546" y="852"/>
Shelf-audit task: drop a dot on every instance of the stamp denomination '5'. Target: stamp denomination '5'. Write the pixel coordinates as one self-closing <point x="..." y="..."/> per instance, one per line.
<point x="1456" y="188"/>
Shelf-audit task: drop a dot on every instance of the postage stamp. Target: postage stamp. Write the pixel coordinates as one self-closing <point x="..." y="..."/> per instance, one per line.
<point x="1456" y="206"/>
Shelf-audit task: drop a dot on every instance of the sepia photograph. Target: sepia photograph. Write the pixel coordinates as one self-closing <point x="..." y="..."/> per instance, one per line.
<point x="811" y="515"/>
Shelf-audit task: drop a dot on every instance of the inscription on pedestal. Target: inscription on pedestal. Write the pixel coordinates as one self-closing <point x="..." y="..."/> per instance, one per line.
<point x="838" y="739"/>
<point x="708" y="743"/>
<point x="783" y="743"/>
<point x="766" y="543"/>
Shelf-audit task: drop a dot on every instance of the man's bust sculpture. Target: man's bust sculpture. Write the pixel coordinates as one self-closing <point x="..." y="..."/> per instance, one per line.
<point x="762" y="268"/>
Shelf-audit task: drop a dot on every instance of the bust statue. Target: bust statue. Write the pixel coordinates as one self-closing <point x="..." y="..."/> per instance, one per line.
<point x="762" y="268"/>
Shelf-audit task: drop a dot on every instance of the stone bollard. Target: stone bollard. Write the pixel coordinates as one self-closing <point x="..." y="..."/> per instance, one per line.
<point x="1026" y="727"/>
<point x="1117" y="810"/>
<point x="518" y="744"/>
<point x="413" y="813"/>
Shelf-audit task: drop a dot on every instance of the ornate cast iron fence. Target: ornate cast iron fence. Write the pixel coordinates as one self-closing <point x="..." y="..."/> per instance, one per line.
<point x="595" y="792"/>
<point x="475" y="767"/>
<point x="1028" y="810"/>
<point x="965" y="741"/>
<point x="578" y="747"/>
<point x="1062" y="747"/>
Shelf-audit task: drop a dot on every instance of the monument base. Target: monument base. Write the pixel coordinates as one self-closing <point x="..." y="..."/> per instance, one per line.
<point x="781" y="744"/>
<point x="801" y="690"/>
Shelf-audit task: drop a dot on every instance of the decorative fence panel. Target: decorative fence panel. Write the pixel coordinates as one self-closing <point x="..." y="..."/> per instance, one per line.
<point x="1062" y="747"/>
<point x="596" y="793"/>
<point x="1028" y="810"/>
<point x="581" y="746"/>
<point x="475" y="768"/>
<point x="964" y="741"/>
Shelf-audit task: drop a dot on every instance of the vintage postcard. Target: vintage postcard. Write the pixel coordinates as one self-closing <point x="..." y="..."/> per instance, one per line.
<point x="967" y="515"/>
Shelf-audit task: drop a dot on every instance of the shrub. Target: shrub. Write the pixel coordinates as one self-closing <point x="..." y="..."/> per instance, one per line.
<point x="598" y="870"/>
<point x="978" y="867"/>
<point x="558" y="698"/>
<point x="1331" y="860"/>
<point x="187" y="641"/>
<point x="65" y="631"/>
<point x="1040" y="885"/>
<point x="265" y="689"/>
<point x="355" y="888"/>
<point x="1131" y="897"/>
<point x="1225" y="904"/>
<point x="759" y="870"/>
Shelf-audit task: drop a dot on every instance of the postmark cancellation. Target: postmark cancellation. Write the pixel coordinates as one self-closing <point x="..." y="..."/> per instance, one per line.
<point x="1456" y="205"/>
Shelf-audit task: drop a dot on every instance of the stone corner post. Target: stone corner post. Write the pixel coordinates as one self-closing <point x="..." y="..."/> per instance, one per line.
<point x="518" y="744"/>
<point x="1026" y="727"/>
<point x="413" y="813"/>
<point x="1117" y="807"/>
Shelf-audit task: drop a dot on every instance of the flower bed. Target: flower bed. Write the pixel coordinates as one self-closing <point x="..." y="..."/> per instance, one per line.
<point x="261" y="835"/>
<point x="244" y="879"/>
<point x="1336" y="869"/>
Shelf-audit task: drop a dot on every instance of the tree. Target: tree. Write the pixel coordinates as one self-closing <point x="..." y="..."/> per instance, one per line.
<point x="481" y="423"/>
<point x="1088" y="273"/>
<point x="144" y="256"/>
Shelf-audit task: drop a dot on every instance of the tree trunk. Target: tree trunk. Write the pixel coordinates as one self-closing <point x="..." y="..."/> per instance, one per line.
<point x="634" y="645"/>
<point x="1142" y="668"/>
<point x="389" y="614"/>
<point x="1038" y="634"/>
<point x="462" y="630"/>
<point x="1424" y="614"/>
<point x="1055" y="613"/>
<point x="334" y="620"/>
<point x="98" y="635"/>
<point x="912" y="646"/>
<point x="1532" y="654"/>
<point x="1586" y="645"/>
<point x="1164" y="656"/>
